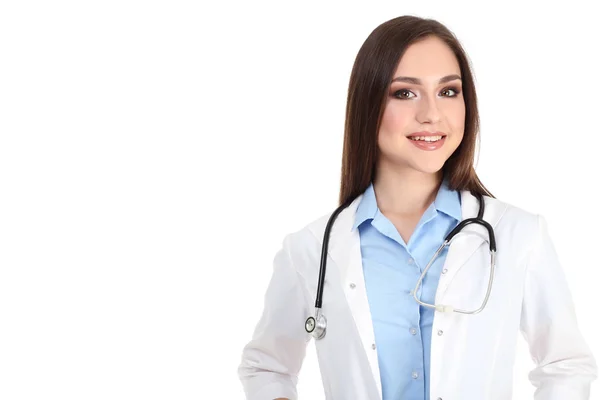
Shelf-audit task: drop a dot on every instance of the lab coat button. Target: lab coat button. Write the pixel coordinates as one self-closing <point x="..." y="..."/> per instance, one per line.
<point x="440" y="332"/>
<point x="445" y="270"/>
<point x="352" y="285"/>
<point x="373" y="346"/>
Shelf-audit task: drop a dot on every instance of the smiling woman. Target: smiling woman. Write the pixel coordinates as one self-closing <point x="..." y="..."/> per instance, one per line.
<point x="412" y="99"/>
<point x="398" y="318"/>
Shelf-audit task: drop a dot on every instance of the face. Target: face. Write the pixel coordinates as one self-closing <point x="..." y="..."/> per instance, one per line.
<point x="426" y="106"/>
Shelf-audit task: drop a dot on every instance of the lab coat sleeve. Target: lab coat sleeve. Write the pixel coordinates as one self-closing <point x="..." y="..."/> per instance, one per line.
<point x="565" y="366"/>
<point x="271" y="361"/>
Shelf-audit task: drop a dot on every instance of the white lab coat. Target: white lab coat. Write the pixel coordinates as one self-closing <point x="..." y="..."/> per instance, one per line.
<point x="472" y="356"/>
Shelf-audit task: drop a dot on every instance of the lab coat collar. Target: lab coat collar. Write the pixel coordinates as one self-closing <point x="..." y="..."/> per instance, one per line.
<point x="344" y="250"/>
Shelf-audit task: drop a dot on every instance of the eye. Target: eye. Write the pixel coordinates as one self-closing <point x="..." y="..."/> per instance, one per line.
<point x="455" y="90"/>
<point x="399" y="94"/>
<point x="402" y="91"/>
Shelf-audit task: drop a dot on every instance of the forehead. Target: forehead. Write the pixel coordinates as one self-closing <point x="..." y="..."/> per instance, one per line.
<point x="429" y="59"/>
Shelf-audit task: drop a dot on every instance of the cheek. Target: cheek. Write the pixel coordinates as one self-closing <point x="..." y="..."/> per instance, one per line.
<point x="457" y="117"/>
<point x="394" y="119"/>
<point x="458" y="134"/>
<point x="456" y="140"/>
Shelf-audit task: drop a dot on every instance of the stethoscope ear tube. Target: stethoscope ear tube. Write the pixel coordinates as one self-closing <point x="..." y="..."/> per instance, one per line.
<point x="323" y="266"/>
<point x="468" y="221"/>
<point x="317" y="325"/>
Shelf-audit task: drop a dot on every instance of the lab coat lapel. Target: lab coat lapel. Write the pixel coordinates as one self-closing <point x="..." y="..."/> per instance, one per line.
<point x="344" y="250"/>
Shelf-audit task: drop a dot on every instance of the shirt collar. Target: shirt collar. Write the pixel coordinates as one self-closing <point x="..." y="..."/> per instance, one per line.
<point x="446" y="201"/>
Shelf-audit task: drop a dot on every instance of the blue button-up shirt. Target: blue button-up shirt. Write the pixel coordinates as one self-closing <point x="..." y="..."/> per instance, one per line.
<point x="402" y="327"/>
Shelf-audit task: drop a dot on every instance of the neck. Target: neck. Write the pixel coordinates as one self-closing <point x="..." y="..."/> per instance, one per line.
<point x="406" y="192"/>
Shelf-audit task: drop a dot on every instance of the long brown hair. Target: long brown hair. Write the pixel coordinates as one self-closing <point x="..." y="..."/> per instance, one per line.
<point x="371" y="76"/>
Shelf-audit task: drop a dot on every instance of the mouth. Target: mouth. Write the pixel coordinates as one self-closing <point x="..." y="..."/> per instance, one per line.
<point x="427" y="139"/>
<point x="428" y="143"/>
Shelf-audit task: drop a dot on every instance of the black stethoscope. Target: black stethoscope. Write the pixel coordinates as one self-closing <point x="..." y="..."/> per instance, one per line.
<point x="317" y="325"/>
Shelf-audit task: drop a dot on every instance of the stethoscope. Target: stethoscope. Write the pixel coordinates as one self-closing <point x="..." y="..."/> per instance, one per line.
<point x="317" y="325"/>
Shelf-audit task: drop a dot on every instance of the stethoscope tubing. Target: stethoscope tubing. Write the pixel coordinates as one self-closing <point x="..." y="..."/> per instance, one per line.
<point x="317" y="325"/>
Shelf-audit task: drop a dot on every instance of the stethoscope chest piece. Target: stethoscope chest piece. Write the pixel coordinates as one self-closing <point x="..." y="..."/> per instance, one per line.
<point x="316" y="326"/>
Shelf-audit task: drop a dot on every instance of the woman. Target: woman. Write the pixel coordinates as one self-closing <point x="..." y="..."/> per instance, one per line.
<point x="409" y="179"/>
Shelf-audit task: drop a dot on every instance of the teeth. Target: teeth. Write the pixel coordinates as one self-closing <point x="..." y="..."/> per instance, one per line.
<point x="426" y="138"/>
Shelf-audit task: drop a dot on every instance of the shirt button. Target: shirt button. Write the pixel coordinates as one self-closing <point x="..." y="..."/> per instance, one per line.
<point x="411" y="260"/>
<point x="413" y="331"/>
<point x="352" y="285"/>
<point x="415" y="375"/>
<point x="440" y="332"/>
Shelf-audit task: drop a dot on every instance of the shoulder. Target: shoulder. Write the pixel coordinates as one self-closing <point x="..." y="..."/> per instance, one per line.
<point x="517" y="228"/>
<point x="512" y="215"/>
<point x="304" y="245"/>
<point x="308" y="235"/>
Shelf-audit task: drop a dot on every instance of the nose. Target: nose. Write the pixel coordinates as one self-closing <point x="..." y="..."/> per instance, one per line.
<point x="428" y="111"/>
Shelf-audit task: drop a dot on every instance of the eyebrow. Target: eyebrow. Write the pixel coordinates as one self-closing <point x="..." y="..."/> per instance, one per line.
<point x="417" y="81"/>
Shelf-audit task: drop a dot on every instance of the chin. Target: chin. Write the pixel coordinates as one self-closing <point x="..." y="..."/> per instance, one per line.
<point x="428" y="166"/>
<point x="426" y="162"/>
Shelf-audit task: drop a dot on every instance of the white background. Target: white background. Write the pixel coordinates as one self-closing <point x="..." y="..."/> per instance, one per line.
<point x="153" y="156"/>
